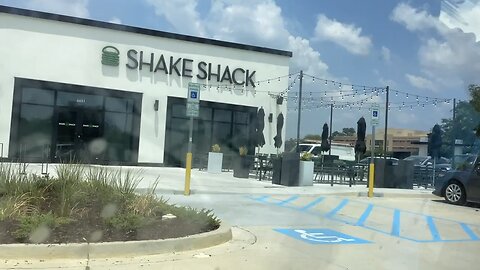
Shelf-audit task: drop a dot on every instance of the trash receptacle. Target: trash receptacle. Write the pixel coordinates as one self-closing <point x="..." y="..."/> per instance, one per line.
<point x="393" y="174"/>
<point x="290" y="169"/>
<point x="277" y="170"/>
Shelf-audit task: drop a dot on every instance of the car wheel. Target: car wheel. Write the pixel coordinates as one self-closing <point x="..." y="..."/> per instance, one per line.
<point x="455" y="193"/>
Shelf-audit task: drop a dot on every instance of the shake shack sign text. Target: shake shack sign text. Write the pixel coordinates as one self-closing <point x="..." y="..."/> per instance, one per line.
<point x="184" y="67"/>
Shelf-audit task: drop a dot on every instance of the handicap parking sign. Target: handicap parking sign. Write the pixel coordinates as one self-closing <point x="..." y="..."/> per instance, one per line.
<point x="321" y="236"/>
<point x="193" y="94"/>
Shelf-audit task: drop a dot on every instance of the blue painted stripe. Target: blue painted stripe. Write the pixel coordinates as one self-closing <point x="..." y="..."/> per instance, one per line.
<point x="433" y="229"/>
<point x="469" y="231"/>
<point x="312" y="204"/>
<point x="293" y="198"/>
<point x="396" y="223"/>
<point x="365" y="215"/>
<point x="339" y="207"/>
<point x="262" y="198"/>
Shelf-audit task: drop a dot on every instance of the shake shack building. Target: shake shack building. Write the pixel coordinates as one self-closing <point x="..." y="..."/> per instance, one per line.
<point x="115" y="94"/>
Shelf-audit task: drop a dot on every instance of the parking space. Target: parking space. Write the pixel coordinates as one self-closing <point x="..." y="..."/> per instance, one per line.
<point x="406" y="224"/>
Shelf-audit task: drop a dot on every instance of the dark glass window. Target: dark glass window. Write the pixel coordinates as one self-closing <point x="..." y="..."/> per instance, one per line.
<point x="222" y="115"/>
<point x="35" y="130"/>
<point x="118" y="134"/>
<point x="179" y="124"/>
<point x="202" y="136"/>
<point x="79" y="100"/>
<point x="206" y="113"/>
<point x="38" y="96"/>
<point x="240" y="135"/>
<point x="114" y="104"/>
<point x="222" y="136"/>
<point x="241" y="117"/>
<point x="179" y="110"/>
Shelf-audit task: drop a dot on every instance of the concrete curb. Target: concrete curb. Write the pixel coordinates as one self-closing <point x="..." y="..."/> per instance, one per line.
<point x="116" y="249"/>
<point x="425" y="195"/>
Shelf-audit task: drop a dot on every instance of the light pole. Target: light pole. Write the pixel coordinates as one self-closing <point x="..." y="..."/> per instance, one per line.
<point x="299" y="110"/>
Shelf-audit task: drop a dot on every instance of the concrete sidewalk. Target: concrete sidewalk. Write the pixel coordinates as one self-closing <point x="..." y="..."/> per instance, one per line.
<point x="172" y="181"/>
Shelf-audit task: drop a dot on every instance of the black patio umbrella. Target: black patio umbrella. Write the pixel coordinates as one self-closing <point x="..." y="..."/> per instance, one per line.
<point x="278" y="139"/>
<point x="325" y="143"/>
<point x="260" y="125"/>
<point x="435" y="141"/>
<point x="360" y="146"/>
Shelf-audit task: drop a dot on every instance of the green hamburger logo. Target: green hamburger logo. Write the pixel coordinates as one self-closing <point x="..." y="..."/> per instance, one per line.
<point x="110" y="56"/>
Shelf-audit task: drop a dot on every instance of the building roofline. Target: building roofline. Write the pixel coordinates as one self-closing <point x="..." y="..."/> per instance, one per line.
<point x="138" y="30"/>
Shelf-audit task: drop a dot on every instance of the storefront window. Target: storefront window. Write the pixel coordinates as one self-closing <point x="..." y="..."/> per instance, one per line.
<point x="83" y="123"/>
<point x="79" y="100"/>
<point x="35" y="127"/>
<point x="223" y="124"/>
<point x="38" y="96"/>
<point x="114" y="104"/>
<point x="118" y="128"/>
<point x="222" y="115"/>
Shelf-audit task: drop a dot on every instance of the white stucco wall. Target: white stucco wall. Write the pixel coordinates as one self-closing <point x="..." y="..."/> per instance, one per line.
<point x="62" y="52"/>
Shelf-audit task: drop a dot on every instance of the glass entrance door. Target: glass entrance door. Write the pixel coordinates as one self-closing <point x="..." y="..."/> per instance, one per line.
<point x="79" y="133"/>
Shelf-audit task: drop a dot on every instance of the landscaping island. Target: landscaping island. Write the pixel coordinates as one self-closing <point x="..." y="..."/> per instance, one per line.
<point x="84" y="203"/>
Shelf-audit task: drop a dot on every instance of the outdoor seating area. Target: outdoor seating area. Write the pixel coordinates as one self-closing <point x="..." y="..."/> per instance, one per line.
<point x="326" y="171"/>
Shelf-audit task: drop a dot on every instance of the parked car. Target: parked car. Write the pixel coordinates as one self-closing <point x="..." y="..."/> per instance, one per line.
<point x="462" y="184"/>
<point x="344" y="152"/>
<point x="366" y="160"/>
<point x="442" y="164"/>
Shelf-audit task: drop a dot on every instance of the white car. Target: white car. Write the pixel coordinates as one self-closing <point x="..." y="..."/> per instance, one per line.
<point x="343" y="151"/>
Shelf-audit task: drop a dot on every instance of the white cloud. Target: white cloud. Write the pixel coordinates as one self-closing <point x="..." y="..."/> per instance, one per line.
<point x="115" y="20"/>
<point x="346" y="35"/>
<point x="259" y="23"/>
<point x="449" y="56"/>
<point x="306" y="58"/>
<point x="412" y="18"/>
<point x="389" y="82"/>
<point x="386" y="54"/>
<point x="248" y="21"/>
<point x="465" y="16"/>
<point x="77" y="8"/>
<point x="420" y="82"/>
<point x="182" y="14"/>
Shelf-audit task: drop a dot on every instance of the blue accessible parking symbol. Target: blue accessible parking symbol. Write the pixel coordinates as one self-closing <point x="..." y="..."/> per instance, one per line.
<point x="193" y="94"/>
<point x="322" y="236"/>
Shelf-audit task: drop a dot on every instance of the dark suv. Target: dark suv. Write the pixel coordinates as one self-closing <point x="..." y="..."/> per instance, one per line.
<point x="461" y="184"/>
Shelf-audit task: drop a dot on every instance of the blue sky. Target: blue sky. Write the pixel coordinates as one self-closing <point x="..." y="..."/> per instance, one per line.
<point x="423" y="47"/>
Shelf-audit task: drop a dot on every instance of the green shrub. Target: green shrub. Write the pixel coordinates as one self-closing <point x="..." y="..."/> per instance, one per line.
<point x="13" y="207"/>
<point x="28" y="224"/>
<point x="306" y="156"/>
<point x="126" y="182"/>
<point x="204" y="218"/>
<point x="146" y="204"/>
<point x="243" y="151"/>
<point x="125" y="221"/>
<point x="216" y="148"/>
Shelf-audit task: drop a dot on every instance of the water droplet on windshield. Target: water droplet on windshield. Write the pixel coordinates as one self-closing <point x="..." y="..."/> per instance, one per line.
<point x="40" y="234"/>
<point x="109" y="210"/>
<point x="97" y="146"/>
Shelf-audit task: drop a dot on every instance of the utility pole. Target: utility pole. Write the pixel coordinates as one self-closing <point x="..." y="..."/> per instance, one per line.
<point x="299" y="110"/>
<point x="330" y="135"/>
<point x="386" y="124"/>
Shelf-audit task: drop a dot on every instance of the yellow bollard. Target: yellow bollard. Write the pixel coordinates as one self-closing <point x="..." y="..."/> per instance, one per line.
<point x="371" y="178"/>
<point x="188" y="174"/>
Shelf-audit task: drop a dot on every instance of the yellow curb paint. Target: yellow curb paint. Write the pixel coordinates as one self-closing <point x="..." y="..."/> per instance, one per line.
<point x="188" y="174"/>
<point x="371" y="178"/>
